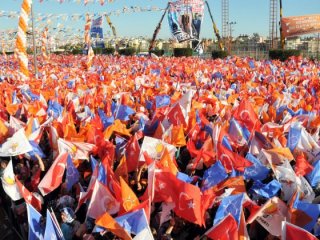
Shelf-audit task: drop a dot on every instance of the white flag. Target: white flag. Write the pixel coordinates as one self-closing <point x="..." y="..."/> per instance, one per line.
<point x="9" y="183"/>
<point x="16" y="145"/>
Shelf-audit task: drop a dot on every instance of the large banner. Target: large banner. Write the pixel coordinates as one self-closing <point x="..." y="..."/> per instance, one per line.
<point x="185" y="18"/>
<point x="96" y="33"/>
<point x="300" y="25"/>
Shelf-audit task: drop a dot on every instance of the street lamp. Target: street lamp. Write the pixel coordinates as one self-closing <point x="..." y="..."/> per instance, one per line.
<point x="230" y="34"/>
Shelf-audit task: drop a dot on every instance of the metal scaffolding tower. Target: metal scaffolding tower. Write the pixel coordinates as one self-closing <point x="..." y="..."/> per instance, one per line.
<point x="273" y="23"/>
<point x="225" y="19"/>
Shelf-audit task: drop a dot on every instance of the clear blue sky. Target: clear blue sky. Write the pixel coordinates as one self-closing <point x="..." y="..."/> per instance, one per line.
<point x="250" y="15"/>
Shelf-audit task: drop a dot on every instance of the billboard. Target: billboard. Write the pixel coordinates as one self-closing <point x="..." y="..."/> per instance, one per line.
<point x="300" y="25"/>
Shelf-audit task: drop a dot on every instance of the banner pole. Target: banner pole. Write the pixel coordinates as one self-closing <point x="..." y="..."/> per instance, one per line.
<point x="156" y="31"/>
<point x="215" y="28"/>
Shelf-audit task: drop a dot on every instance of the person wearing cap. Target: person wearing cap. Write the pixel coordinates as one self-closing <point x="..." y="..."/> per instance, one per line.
<point x="69" y="224"/>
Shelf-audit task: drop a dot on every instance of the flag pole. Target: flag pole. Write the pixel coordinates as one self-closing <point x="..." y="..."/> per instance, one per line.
<point x="34" y="44"/>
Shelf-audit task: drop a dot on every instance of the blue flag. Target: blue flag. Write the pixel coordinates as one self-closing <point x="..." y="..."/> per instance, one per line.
<point x="35" y="150"/>
<point x="51" y="232"/>
<point x="235" y="173"/>
<point x="72" y="174"/>
<point x="281" y="109"/>
<point x="93" y="162"/>
<point x="257" y="171"/>
<point x="251" y="64"/>
<point x="142" y="123"/>
<point x="198" y="119"/>
<point x="88" y="112"/>
<point x="101" y="170"/>
<point x="226" y="143"/>
<point x="106" y="121"/>
<point x="148" y="104"/>
<point x="163" y="100"/>
<point x="150" y="127"/>
<point x="54" y="109"/>
<point x="71" y="84"/>
<point x="230" y="204"/>
<point x="102" y="177"/>
<point x="34" y="218"/>
<point x="29" y="95"/>
<point x="266" y="190"/>
<point x="184" y="177"/>
<point x="217" y="75"/>
<point x="313" y="210"/>
<point x="314" y="176"/>
<point x="113" y="107"/>
<point x="133" y="222"/>
<point x="208" y="128"/>
<point x="293" y="138"/>
<point x="214" y="175"/>
<point x="120" y="146"/>
<point x="123" y="112"/>
<point x="15" y="99"/>
<point x="236" y="132"/>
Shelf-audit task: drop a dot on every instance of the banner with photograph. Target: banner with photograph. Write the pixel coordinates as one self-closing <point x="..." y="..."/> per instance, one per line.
<point x="185" y="19"/>
<point x="96" y="33"/>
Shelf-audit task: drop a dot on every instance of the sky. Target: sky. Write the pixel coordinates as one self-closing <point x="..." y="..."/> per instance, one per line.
<point x="251" y="16"/>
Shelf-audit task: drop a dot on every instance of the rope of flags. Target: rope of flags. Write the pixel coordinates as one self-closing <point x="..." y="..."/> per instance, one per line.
<point x="75" y="16"/>
<point x="21" y="41"/>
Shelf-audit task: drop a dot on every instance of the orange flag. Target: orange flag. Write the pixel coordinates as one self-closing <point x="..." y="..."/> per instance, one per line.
<point x="167" y="163"/>
<point x="122" y="170"/>
<point x="117" y="127"/>
<point x="3" y="131"/>
<point x="129" y="199"/>
<point x="109" y="223"/>
<point x="177" y="136"/>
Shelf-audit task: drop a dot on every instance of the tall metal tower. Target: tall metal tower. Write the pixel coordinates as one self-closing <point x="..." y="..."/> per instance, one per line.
<point x="225" y="18"/>
<point x="273" y="23"/>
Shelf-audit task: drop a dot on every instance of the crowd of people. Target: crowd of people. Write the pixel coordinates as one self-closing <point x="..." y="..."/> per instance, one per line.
<point x="160" y="148"/>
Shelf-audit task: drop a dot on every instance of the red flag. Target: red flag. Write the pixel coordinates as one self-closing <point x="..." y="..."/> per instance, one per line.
<point x="232" y="160"/>
<point x="293" y="232"/>
<point x="247" y="116"/>
<point x="102" y="201"/>
<point x="187" y="197"/>
<point x="176" y="117"/>
<point x="188" y="203"/>
<point x="303" y="167"/>
<point x="226" y="229"/>
<point x="28" y="196"/>
<point x="53" y="177"/>
<point x="165" y="187"/>
<point x="132" y="153"/>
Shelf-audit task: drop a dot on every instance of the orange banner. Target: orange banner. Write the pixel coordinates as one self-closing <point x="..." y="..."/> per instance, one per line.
<point x="300" y="25"/>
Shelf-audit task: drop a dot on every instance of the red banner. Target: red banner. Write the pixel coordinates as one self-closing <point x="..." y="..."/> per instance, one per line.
<point x="300" y="25"/>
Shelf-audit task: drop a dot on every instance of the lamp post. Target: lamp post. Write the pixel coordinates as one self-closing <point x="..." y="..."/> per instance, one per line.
<point x="230" y="34"/>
